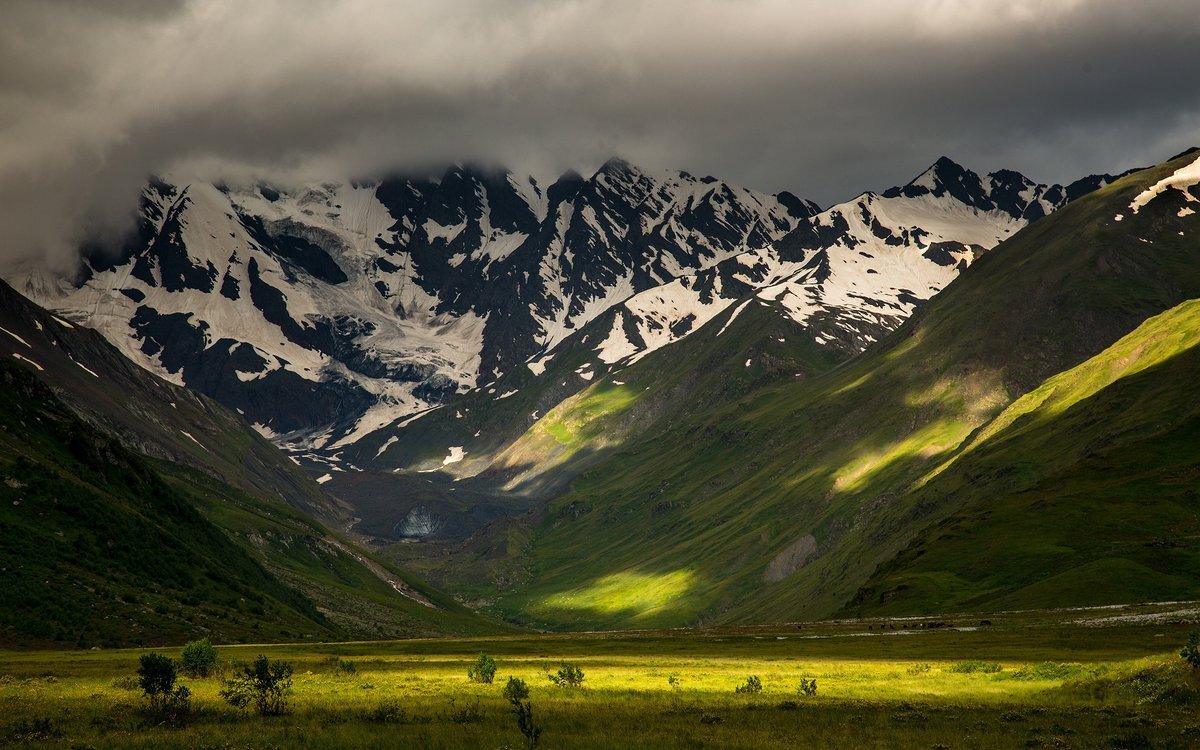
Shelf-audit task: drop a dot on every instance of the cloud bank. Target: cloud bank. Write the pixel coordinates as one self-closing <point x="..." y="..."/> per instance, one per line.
<point x="823" y="99"/>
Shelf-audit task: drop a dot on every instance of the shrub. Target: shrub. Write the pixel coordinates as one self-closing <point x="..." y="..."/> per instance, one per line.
<point x="199" y="659"/>
<point x="1191" y="652"/>
<point x="264" y="684"/>
<point x="388" y="712"/>
<point x="516" y="690"/>
<point x="467" y="713"/>
<point x="35" y="730"/>
<point x="753" y="685"/>
<point x="483" y="670"/>
<point x="517" y="694"/>
<point x="807" y="687"/>
<point x="971" y="667"/>
<point x="568" y="675"/>
<point x="345" y="668"/>
<point x="166" y="700"/>
<point x="916" y="669"/>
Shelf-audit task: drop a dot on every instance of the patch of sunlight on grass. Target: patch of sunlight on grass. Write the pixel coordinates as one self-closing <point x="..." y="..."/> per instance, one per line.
<point x="854" y="385"/>
<point x="934" y="438"/>
<point x="1156" y="340"/>
<point x="641" y="593"/>
<point x="576" y="419"/>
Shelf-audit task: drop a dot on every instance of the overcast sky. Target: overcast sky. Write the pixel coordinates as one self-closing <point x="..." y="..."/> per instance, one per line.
<point x="824" y="99"/>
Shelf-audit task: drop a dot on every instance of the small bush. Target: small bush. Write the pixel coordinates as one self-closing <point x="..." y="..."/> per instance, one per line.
<point x="517" y="694"/>
<point x="388" y="712"/>
<point x="974" y="667"/>
<point x="345" y="668"/>
<point x="1191" y="652"/>
<point x="483" y="670"/>
<point x="34" y="730"/>
<point x="464" y="713"/>
<point x="752" y="685"/>
<point x="568" y="676"/>
<point x="516" y="690"/>
<point x="263" y="684"/>
<point x="199" y="659"/>
<point x="808" y="688"/>
<point x="166" y="700"/>
<point x="918" y="669"/>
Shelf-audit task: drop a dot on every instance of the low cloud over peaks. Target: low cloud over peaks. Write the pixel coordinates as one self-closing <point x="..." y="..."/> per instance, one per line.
<point x="823" y="101"/>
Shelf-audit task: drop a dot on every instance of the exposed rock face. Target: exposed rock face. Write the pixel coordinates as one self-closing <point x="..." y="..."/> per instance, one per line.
<point x="791" y="559"/>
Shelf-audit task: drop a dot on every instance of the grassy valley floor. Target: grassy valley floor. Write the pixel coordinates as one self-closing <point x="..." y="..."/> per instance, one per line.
<point x="1088" y="678"/>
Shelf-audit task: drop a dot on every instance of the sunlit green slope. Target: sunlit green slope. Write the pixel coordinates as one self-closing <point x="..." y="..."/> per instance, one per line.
<point x="1084" y="491"/>
<point x="781" y="502"/>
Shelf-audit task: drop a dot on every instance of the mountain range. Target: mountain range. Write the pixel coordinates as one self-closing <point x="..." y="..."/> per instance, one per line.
<point x="639" y="398"/>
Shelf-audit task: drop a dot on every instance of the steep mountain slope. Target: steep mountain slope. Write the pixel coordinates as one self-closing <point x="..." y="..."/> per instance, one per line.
<point x="103" y="545"/>
<point x="1085" y="490"/>
<point x="324" y="312"/>
<point x="97" y="549"/>
<point x="151" y="416"/>
<point x="100" y="547"/>
<point x="841" y="280"/>
<point x="782" y="503"/>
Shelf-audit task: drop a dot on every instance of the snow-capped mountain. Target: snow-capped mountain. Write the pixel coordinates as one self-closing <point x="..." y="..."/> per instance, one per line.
<point x="843" y="278"/>
<point x="862" y="265"/>
<point x="323" y="313"/>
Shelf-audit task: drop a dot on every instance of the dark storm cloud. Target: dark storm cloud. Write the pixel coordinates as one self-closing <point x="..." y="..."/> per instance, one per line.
<point x="824" y="99"/>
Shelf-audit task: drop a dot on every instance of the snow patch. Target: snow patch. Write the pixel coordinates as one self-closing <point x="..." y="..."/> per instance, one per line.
<point x="616" y="346"/>
<point x="387" y="444"/>
<point x="1181" y="180"/>
<point x="435" y="231"/>
<point x="188" y="435"/>
<point x="324" y="478"/>
<point x="30" y="361"/>
<point x="456" y="455"/>
<point x="87" y="370"/>
<point x="736" y="311"/>
<point x="15" y="336"/>
<point x="538" y="366"/>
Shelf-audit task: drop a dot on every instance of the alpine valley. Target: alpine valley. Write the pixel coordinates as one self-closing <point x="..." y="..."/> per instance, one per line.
<point x="638" y="398"/>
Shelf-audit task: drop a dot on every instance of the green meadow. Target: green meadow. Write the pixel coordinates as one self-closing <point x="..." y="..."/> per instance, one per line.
<point x="1094" y="678"/>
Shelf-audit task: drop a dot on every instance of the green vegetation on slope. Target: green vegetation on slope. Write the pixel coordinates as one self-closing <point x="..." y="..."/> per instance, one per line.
<point x="103" y="547"/>
<point x="687" y="380"/>
<point x="781" y="503"/>
<point x="1085" y="490"/>
<point x="99" y="550"/>
<point x="149" y="415"/>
